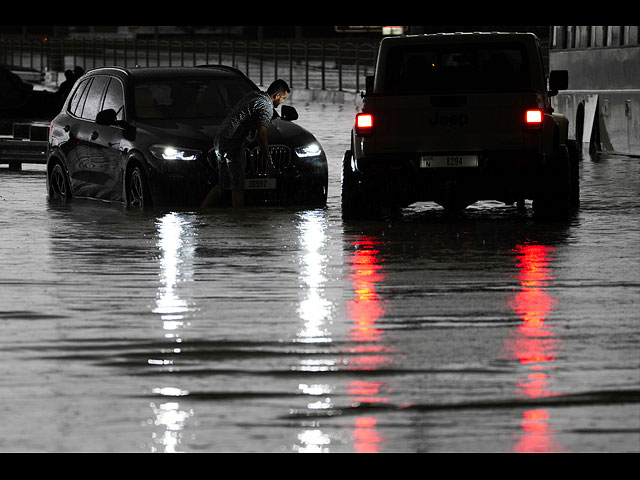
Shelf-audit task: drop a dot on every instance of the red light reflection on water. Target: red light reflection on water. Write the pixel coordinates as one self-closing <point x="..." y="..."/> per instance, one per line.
<point x="533" y="343"/>
<point x="367" y="307"/>
<point x="369" y="353"/>
<point x="366" y="438"/>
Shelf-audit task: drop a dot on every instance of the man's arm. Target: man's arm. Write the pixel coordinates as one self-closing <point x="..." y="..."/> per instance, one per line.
<point x="263" y="140"/>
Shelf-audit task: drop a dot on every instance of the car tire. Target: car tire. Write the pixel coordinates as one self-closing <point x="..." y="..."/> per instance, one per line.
<point x="59" y="183"/>
<point x="138" y="193"/>
<point x="553" y="199"/>
<point x="574" y="172"/>
<point x="357" y="201"/>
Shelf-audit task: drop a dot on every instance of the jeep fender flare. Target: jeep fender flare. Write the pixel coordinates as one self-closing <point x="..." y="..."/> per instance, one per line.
<point x="562" y="123"/>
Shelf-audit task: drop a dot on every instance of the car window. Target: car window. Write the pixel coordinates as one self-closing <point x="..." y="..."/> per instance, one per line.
<point x="79" y="96"/>
<point x="456" y="68"/>
<point x="188" y="97"/>
<point x="114" y="98"/>
<point x="94" y="98"/>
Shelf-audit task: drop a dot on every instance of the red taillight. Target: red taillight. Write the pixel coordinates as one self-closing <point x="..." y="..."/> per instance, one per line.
<point x="533" y="117"/>
<point x="364" y="123"/>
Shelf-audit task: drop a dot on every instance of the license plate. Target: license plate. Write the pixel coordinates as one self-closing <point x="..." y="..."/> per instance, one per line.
<point x="449" y="161"/>
<point x="260" y="184"/>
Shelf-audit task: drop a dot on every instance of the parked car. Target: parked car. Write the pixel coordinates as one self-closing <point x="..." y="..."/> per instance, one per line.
<point x="20" y="101"/>
<point x="144" y="137"/>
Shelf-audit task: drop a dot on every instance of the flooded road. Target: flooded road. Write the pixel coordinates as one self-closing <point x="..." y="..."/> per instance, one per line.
<point x="288" y="330"/>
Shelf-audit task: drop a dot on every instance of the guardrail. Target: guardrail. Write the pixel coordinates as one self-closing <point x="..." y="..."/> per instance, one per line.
<point x="320" y="65"/>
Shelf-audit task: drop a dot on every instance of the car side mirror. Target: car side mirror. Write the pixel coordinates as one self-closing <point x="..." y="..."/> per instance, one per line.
<point x="289" y="113"/>
<point x="107" y="117"/>
<point x="558" y="80"/>
<point x="368" y="84"/>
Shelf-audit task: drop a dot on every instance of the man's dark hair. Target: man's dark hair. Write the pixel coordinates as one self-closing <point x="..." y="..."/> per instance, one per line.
<point x="279" y="86"/>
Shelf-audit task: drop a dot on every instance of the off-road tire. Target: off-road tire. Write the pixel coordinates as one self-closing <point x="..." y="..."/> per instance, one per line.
<point x="358" y="201"/>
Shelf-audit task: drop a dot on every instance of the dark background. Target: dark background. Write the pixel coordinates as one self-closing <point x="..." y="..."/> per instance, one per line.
<point x="257" y="32"/>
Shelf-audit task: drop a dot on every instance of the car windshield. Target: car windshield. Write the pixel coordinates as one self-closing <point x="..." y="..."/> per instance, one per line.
<point x="188" y="98"/>
<point x="456" y="68"/>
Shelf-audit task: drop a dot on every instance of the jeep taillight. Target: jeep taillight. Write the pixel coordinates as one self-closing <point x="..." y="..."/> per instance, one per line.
<point x="364" y="123"/>
<point x="533" y="117"/>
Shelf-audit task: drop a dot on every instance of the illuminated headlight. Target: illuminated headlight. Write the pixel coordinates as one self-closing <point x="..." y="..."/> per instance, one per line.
<point x="311" y="150"/>
<point x="164" y="152"/>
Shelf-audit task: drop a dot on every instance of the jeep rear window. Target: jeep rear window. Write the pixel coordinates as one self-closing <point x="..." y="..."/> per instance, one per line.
<point x="185" y="98"/>
<point x="456" y="68"/>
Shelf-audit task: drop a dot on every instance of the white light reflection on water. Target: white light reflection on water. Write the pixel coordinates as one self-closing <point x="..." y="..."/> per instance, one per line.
<point x="313" y="440"/>
<point x="176" y="260"/>
<point x="169" y="416"/>
<point x="169" y="305"/>
<point x="315" y="311"/>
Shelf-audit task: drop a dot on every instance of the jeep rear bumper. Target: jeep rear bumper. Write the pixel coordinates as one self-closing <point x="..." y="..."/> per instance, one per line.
<point x="503" y="176"/>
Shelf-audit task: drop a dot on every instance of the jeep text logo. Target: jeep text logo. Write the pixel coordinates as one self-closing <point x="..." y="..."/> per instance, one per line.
<point x="445" y="120"/>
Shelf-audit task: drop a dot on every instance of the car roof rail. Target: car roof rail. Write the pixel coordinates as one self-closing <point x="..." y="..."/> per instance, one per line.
<point x="120" y="69"/>
<point x="221" y="67"/>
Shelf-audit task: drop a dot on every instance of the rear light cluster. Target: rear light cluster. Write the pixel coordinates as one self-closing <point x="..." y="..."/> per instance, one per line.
<point x="364" y="123"/>
<point x="533" y="117"/>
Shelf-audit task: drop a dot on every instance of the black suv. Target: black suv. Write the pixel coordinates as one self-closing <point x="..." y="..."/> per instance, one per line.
<point x="144" y="137"/>
<point x="457" y="118"/>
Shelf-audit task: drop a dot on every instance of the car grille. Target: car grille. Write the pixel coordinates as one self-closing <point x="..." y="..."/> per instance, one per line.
<point x="280" y="155"/>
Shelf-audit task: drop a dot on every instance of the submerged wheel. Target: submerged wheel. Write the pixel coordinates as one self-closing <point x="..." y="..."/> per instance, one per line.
<point x="574" y="173"/>
<point x="58" y="183"/>
<point x="357" y="201"/>
<point x="138" y="194"/>
<point x="553" y="199"/>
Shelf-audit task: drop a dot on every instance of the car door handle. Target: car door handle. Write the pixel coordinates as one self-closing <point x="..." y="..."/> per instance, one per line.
<point x="94" y="135"/>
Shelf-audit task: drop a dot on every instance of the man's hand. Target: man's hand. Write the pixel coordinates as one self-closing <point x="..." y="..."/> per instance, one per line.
<point x="271" y="169"/>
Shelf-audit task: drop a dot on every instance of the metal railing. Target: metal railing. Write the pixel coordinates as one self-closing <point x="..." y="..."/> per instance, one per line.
<point x="320" y="65"/>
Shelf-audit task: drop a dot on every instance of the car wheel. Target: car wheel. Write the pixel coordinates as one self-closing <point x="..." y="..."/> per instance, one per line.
<point x="58" y="183"/>
<point x="574" y="172"/>
<point x="138" y="195"/>
<point x="357" y="201"/>
<point x="553" y="199"/>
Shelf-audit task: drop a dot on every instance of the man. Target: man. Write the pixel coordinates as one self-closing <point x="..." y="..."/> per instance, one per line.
<point x="67" y="85"/>
<point x="252" y="113"/>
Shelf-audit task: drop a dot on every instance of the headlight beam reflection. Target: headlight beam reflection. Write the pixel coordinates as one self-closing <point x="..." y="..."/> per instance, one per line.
<point x="175" y="256"/>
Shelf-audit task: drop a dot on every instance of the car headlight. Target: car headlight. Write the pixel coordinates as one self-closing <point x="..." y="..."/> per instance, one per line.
<point x="165" y="152"/>
<point x="311" y="150"/>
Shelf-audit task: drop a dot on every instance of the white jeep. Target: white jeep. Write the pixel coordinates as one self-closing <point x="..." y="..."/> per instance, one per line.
<point x="458" y="118"/>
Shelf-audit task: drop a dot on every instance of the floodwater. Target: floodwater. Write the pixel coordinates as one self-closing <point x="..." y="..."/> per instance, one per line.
<point x="287" y="330"/>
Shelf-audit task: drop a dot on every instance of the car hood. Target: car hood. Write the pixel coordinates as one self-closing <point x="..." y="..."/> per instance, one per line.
<point x="181" y="133"/>
<point x="202" y="132"/>
<point x="284" y="132"/>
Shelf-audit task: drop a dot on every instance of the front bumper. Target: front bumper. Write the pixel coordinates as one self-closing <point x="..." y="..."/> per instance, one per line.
<point x="298" y="181"/>
<point x="179" y="182"/>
